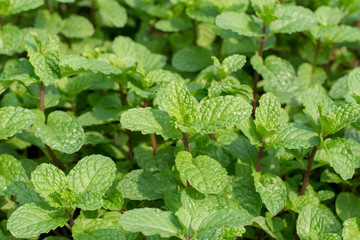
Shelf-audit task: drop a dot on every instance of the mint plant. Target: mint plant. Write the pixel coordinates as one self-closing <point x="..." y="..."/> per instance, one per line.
<point x="194" y="120"/>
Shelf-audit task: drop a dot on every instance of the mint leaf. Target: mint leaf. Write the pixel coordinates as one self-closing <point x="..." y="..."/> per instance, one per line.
<point x="220" y="112"/>
<point x="340" y="157"/>
<point x="112" y="13"/>
<point x="16" y="6"/>
<point x="191" y="59"/>
<point x="203" y="173"/>
<point x="149" y="120"/>
<point x="14" y="120"/>
<point x="351" y="229"/>
<point x="342" y="33"/>
<point x="13" y="178"/>
<point x="77" y="27"/>
<point x="30" y="220"/>
<point x="347" y="206"/>
<point x="181" y="105"/>
<point x="150" y="221"/>
<point x="61" y="132"/>
<point x="10" y="39"/>
<point x="240" y="23"/>
<point x="354" y="83"/>
<point x="267" y="115"/>
<point x="49" y="182"/>
<point x="265" y="9"/>
<point x="146" y="159"/>
<point x="272" y="191"/>
<point x="172" y="25"/>
<point x="19" y="70"/>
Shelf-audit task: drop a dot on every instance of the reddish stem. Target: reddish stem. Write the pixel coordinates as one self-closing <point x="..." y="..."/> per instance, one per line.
<point x="42" y="97"/>
<point x="186" y="142"/>
<point x="308" y="171"/>
<point x="48" y="6"/>
<point x="256" y="74"/>
<point x="261" y="152"/>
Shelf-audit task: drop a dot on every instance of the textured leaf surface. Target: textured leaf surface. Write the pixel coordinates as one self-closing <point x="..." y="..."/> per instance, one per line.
<point x="16" y="6"/>
<point x="351" y="229"/>
<point x="347" y="206"/>
<point x="267" y="115"/>
<point x="240" y="23"/>
<point x="291" y="19"/>
<point x="150" y="221"/>
<point x="149" y="120"/>
<point x="294" y="136"/>
<point x="343" y="33"/>
<point x="49" y="182"/>
<point x="234" y="62"/>
<point x="272" y="191"/>
<point x="144" y="185"/>
<point x="30" y="220"/>
<point x="72" y="64"/>
<point x="112" y="13"/>
<point x="318" y="220"/>
<point x="191" y="59"/>
<point x="61" y="132"/>
<point x="340" y="157"/>
<point x="354" y="83"/>
<point x="14" y="120"/>
<point x="220" y="112"/>
<point x="19" y="70"/>
<point x="10" y="40"/>
<point x="77" y="27"/>
<point x="181" y="104"/>
<point x="203" y="173"/>
<point x="12" y="175"/>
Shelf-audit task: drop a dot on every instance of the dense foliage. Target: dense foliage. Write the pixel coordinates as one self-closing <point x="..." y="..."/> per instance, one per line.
<point x="179" y="119"/>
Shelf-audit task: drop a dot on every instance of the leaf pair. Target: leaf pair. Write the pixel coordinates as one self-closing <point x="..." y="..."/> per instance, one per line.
<point x="184" y="114"/>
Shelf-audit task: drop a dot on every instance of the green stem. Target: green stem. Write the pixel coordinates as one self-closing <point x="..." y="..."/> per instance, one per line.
<point x="308" y="171"/>
<point x="48" y="6"/>
<point x="193" y="22"/>
<point x="317" y="51"/>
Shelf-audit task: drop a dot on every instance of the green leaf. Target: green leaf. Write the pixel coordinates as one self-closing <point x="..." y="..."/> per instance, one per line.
<point x="293" y="136"/>
<point x="340" y="118"/>
<point x="220" y="112"/>
<point x="19" y="70"/>
<point x="77" y="27"/>
<point x="181" y="105"/>
<point x="148" y="160"/>
<point x="172" y="25"/>
<point x="329" y="16"/>
<point x="144" y="185"/>
<point x="151" y="221"/>
<point x="203" y="173"/>
<point x="342" y="33"/>
<point x="94" y="174"/>
<point x="240" y="23"/>
<point x="10" y="40"/>
<point x="49" y="182"/>
<point x="351" y="229"/>
<point x="354" y="83"/>
<point x="340" y="157"/>
<point x="291" y="19"/>
<point x="265" y="9"/>
<point x="233" y="63"/>
<point x="112" y="13"/>
<point x="71" y="64"/>
<point x="44" y="56"/>
<point x="61" y="132"/>
<point x="16" y="6"/>
<point x="267" y="115"/>
<point x="316" y="220"/>
<point x="128" y="50"/>
<point x="280" y="78"/>
<point x="30" y="220"/>
<point x="347" y="206"/>
<point x="272" y="191"/>
<point x="148" y="120"/>
<point x="14" y="120"/>
<point x="191" y="59"/>
<point x="13" y="178"/>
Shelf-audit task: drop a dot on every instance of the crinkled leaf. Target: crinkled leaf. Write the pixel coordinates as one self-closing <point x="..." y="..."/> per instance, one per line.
<point x="61" y="132"/>
<point x="340" y="157"/>
<point x="148" y="120"/>
<point x="150" y="221"/>
<point x="16" y="6"/>
<point x="220" y="112"/>
<point x="342" y="33"/>
<point x="272" y="191"/>
<point x="13" y="179"/>
<point x="354" y="83"/>
<point x="19" y="70"/>
<point x="265" y="9"/>
<point x="10" y="40"/>
<point x="14" y="120"/>
<point x="267" y="115"/>
<point x="203" y="173"/>
<point x="30" y="220"/>
<point x="351" y="229"/>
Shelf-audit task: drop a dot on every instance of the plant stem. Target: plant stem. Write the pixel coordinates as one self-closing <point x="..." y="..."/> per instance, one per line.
<point x="153" y="142"/>
<point x="193" y="22"/>
<point x="48" y="6"/>
<point x="186" y="142"/>
<point x="1" y="22"/>
<point x="71" y="219"/>
<point x="122" y="95"/>
<point x="221" y="42"/>
<point x="92" y="13"/>
<point x="261" y="151"/>
<point x="318" y="45"/>
<point x="52" y="155"/>
<point x="330" y="59"/>
<point x="256" y="74"/>
<point x="308" y="171"/>
<point x="213" y="136"/>
<point x="42" y="97"/>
